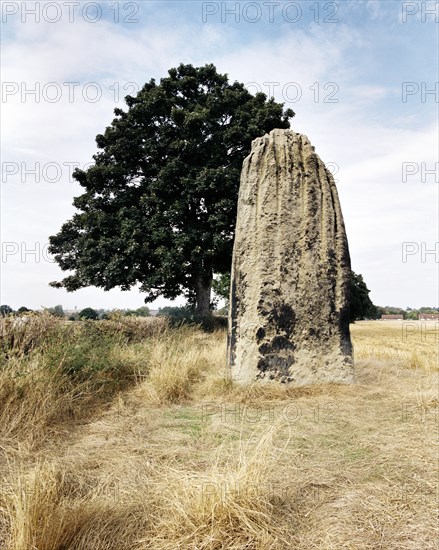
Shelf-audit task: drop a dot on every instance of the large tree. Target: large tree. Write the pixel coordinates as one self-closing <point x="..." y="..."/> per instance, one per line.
<point x="159" y="206"/>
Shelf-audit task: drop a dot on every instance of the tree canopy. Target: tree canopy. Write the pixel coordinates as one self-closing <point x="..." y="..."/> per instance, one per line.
<point x="159" y="207"/>
<point x="5" y="310"/>
<point x="139" y="312"/>
<point x="57" y="311"/>
<point x="88" y="313"/>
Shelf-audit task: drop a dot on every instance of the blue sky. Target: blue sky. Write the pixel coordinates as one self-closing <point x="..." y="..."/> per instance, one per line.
<point x="347" y="60"/>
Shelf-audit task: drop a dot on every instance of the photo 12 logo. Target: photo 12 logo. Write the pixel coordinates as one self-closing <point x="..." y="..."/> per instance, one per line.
<point x="421" y="11"/>
<point x="415" y="249"/>
<point x="419" y="171"/>
<point x="70" y="12"/>
<point x="226" y="491"/>
<point x="292" y="92"/>
<point x="418" y="412"/>
<point x="412" y="330"/>
<point x="25" y="252"/>
<point x="271" y="12"/>
<point x="37" y="172"/>
<point x="54" y="92"/>
<point x="420" y="91"/>
<point x="290" y="414"/>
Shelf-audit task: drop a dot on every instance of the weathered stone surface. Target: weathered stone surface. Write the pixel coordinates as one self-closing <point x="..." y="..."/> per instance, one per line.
<point x="288" y="318"/>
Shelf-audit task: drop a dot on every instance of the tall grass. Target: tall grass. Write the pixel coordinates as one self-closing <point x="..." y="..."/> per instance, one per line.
<point x="409" y="343"/>
<point x="130" y="435"/>
<point x="52" y="371"/>
<point x="179" y="361"/>
<point x="226" y="506"/>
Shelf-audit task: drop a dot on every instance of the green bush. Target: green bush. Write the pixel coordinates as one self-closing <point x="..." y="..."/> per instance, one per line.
<point x="85" y="353"/>
<point x="184" y="315"/>
<point x="5" y="310"/>
<point x="88" y="313"/>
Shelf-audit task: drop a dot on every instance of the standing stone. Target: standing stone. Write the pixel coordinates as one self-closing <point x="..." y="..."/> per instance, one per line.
<point x="289" y="314"/>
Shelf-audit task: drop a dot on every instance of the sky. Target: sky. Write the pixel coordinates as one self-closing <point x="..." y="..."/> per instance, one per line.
<point x="361" y="76"/>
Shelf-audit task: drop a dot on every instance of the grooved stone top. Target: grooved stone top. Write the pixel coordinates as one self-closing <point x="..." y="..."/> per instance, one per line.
<point x="289" y="317"/>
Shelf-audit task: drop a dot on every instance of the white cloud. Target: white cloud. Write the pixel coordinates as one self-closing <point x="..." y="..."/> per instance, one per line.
<point x="368" y="134"/>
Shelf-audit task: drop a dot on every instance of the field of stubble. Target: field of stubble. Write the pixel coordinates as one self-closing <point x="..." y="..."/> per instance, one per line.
<point x="129" y="435"/>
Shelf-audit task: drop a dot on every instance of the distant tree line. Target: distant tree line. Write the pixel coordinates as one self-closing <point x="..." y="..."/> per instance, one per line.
<point x="7" y="310"/>
<point x="408" y="313"/>
<point x="361" y="307"/>
<point x="87" y="313"/>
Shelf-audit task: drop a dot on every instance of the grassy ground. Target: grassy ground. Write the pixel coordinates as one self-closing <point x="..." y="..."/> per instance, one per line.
<point x="118" y="436"/>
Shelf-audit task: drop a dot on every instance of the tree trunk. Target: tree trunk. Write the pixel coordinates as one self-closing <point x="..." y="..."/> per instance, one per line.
<point x="203" y="287"/>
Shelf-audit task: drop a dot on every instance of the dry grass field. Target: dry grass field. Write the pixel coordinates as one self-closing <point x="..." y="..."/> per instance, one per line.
<point x="129" y="435"/>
